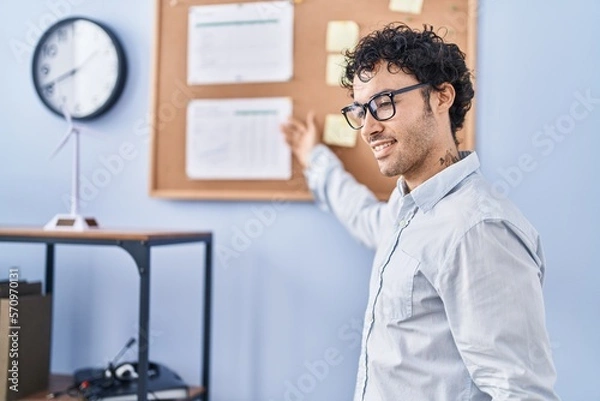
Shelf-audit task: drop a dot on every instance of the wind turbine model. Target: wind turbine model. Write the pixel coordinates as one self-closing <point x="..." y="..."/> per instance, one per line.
<point x="72" y="221"/>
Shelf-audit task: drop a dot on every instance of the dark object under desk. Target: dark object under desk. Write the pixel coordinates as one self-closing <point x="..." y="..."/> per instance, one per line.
<point x="137" y="243"/>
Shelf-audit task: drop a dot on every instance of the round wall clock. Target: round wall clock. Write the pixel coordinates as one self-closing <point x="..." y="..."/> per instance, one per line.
<point x="79" y="67"/>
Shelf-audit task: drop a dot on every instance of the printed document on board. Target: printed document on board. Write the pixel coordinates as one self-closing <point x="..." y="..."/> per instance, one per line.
<point x="238" y="139"/>
<point x="240" y="43"/>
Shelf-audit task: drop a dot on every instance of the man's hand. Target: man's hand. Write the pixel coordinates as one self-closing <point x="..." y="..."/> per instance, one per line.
<point x="302" y="137"/>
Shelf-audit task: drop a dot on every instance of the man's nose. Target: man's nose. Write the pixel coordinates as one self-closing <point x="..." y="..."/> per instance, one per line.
<point x="370" y="127"/>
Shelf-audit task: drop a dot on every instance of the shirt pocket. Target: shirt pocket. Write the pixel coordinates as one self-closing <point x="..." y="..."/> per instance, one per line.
<point x="397" y="287"/>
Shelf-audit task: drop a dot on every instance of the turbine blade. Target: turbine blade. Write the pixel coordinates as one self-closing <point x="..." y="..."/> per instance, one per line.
<point x="62" y="142"/>
<point x="87" y="130"/>
<point x="65" y="112"/>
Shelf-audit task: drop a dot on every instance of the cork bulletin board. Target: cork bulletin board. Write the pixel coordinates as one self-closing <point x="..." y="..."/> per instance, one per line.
<point x="456" y="19"/>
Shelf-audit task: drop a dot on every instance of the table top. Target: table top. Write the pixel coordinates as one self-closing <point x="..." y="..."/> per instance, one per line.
<point x="152" y="236"/>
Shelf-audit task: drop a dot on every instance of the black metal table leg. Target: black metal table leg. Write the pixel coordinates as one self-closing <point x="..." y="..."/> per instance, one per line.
<point x="207" y="320"/>
<point x="141" y="254"/>
<point x="49" y="268"/>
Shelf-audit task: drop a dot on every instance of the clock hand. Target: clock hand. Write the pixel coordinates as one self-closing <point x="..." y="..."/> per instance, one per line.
<point x="70" y="72"/>
<point x="61" y="77"/>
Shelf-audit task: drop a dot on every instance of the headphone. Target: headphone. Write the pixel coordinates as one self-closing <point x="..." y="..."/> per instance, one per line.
<point x="128" y="371"/>
<point x="122" y="374"/>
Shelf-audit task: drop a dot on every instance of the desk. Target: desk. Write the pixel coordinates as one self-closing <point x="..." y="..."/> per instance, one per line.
<point x="137" y="243"/>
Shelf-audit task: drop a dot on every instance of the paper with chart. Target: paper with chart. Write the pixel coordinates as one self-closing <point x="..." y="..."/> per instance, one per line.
<point x="240" y="43"/>
<point x="238" y="139"/>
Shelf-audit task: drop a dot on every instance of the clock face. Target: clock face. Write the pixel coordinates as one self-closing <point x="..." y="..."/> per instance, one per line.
<point x="79" y="65"/>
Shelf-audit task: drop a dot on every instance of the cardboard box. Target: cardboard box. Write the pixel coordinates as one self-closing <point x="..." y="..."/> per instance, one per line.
<point x="25" y="324"/>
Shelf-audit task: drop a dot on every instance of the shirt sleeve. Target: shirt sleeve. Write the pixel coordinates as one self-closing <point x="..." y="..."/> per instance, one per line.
<point x="491" y="286"/>
<point x="336" y="191"/>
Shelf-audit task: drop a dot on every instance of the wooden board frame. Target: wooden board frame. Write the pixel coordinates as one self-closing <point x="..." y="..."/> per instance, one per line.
<point x="307" y="88"/>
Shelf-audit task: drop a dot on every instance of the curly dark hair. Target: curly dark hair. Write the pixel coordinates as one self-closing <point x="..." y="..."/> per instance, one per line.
<point x="423" y="54"/>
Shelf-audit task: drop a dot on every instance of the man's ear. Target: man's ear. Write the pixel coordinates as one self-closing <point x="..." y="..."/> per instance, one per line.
<point x="443" y="98"/>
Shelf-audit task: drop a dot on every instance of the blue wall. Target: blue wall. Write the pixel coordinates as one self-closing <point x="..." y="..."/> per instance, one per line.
<point x="294" y="296"/>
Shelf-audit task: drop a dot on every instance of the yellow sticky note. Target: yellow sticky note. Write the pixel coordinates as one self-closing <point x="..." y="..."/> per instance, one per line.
<point x="335" y="69"/>
<point x="338" y="132"/>
<point x="407" y="6"/>
<point x="341" y="35"/>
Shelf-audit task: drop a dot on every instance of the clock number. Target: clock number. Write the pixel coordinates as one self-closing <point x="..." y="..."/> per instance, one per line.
<point x="50" y="50"/>
<point x="45" y="69"/>
<point x="62" y="35"/>
<point x="49" y="90"/>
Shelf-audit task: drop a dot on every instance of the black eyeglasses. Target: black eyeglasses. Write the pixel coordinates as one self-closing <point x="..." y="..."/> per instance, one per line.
<point x="382" y="107"/>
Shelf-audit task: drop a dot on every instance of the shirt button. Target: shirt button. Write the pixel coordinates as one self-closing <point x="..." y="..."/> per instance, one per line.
<point x="403" y="223"/>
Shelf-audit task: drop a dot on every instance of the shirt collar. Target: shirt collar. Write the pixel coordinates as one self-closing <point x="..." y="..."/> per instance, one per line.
<point x="435" y="188"/>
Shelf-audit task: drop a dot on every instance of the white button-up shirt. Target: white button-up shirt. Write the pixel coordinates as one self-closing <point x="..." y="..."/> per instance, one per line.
<point x="455" y="309"/>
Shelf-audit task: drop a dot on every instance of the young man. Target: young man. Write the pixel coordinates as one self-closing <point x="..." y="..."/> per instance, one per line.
<point x="455" y="310"/>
